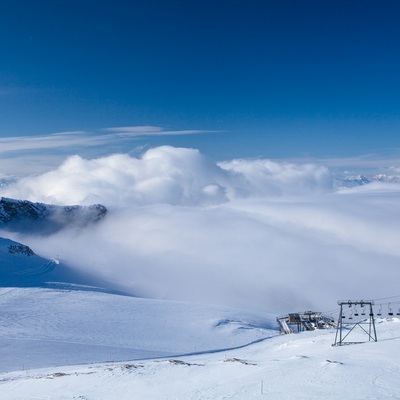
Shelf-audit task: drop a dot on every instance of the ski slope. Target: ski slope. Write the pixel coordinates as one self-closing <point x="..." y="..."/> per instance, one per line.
<point x="67" y="340"/>
<point x="63" y="339"/>
<point x="47" y="327"/>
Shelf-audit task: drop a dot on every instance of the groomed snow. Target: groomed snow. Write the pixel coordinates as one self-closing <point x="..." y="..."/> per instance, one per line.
<point x="297" y="366"/>
<point x="44" y="327"/>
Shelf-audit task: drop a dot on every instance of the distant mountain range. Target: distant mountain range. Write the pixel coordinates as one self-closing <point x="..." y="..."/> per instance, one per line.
<point x="359" y="180"/>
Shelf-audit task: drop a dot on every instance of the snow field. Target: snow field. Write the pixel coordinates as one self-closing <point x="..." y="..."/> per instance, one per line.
<point x="301" y="366"/>
<point x="43" y="327"/>
<point x="59" y="344"/>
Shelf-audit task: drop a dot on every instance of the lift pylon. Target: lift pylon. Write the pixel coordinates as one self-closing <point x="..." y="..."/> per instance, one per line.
<point x="367" y="325"/>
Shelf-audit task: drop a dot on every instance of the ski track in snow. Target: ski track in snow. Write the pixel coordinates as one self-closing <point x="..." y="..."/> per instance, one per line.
<point x="302" y="366"/>
<point x="43" y="327"/>
<point x="52" y="324"/>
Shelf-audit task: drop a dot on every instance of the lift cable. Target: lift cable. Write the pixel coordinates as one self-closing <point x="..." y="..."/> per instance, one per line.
<point x="388" y="298"/>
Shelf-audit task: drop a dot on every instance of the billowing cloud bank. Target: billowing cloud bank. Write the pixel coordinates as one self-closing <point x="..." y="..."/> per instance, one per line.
<point x="168" y="175"/>
<point x="247" y="233"/>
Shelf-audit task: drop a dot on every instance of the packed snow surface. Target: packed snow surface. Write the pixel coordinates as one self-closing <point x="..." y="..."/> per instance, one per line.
<point x="43" y="327"/>
<point x="60" y="329"/>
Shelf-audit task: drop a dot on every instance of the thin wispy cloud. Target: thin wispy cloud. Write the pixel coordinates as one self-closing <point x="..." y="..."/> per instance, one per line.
<point x="86" y="138"/>
<point x="385" y="159"/>
<point x="19" y="154"/>
<point x="140" y="131"/>
<point x="43" y="142"/>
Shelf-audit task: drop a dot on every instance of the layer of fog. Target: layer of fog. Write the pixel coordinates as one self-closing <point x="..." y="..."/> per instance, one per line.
<point x="245" y="233"/>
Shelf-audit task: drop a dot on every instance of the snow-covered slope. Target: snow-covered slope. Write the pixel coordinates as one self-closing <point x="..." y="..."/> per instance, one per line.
<point x="21" y="267"/>
<point x="84" y="344"/>
<point x="19" y="264"/>
<point x="298" y="366"/>
<point x="43" y="327"/>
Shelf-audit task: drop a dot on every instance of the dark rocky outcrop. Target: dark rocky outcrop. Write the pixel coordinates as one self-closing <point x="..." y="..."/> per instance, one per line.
<point x="26" y="216"/>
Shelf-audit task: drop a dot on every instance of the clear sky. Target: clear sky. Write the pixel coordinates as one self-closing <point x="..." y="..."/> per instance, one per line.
<point x="274" y="78"/>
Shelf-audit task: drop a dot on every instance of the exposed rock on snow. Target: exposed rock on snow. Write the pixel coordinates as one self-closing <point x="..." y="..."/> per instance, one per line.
<point x="20" y="248"/>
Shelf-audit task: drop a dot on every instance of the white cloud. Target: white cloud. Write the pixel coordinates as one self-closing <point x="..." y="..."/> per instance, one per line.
<point x="140" y="131"/>
<point x="364" y="163"/>
<point x="55" y="140"/>
<point x="276" y="255"/>
<point x="266" y="177"/>
<point x="84" y="138"/>
<point x="248" y="233"/>
<point x="166" y="174"/>
<point x="19" y="154"/>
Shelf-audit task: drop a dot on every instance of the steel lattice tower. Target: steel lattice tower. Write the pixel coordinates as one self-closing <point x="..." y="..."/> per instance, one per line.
<point x="370" y="331"/>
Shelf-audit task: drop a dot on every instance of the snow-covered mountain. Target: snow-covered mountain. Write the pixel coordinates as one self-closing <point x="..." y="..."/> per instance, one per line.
<point x="26" y="216"/>
<point x="359" y="180"/>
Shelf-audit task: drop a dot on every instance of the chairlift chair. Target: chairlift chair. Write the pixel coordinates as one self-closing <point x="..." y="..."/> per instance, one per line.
<point x="363" y="309"/>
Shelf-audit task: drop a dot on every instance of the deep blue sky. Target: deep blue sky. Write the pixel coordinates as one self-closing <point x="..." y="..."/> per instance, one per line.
<point x="280" y="78"/>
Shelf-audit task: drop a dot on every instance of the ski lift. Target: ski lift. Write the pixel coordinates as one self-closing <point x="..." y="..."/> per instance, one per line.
<point x="355" y="312"/>
<point x="363" y="309"/>
<point x="398" y="312"/>
<point x="351" y="315"/>
<point x="380" y="310"/>
<point x="390" y="312"/>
